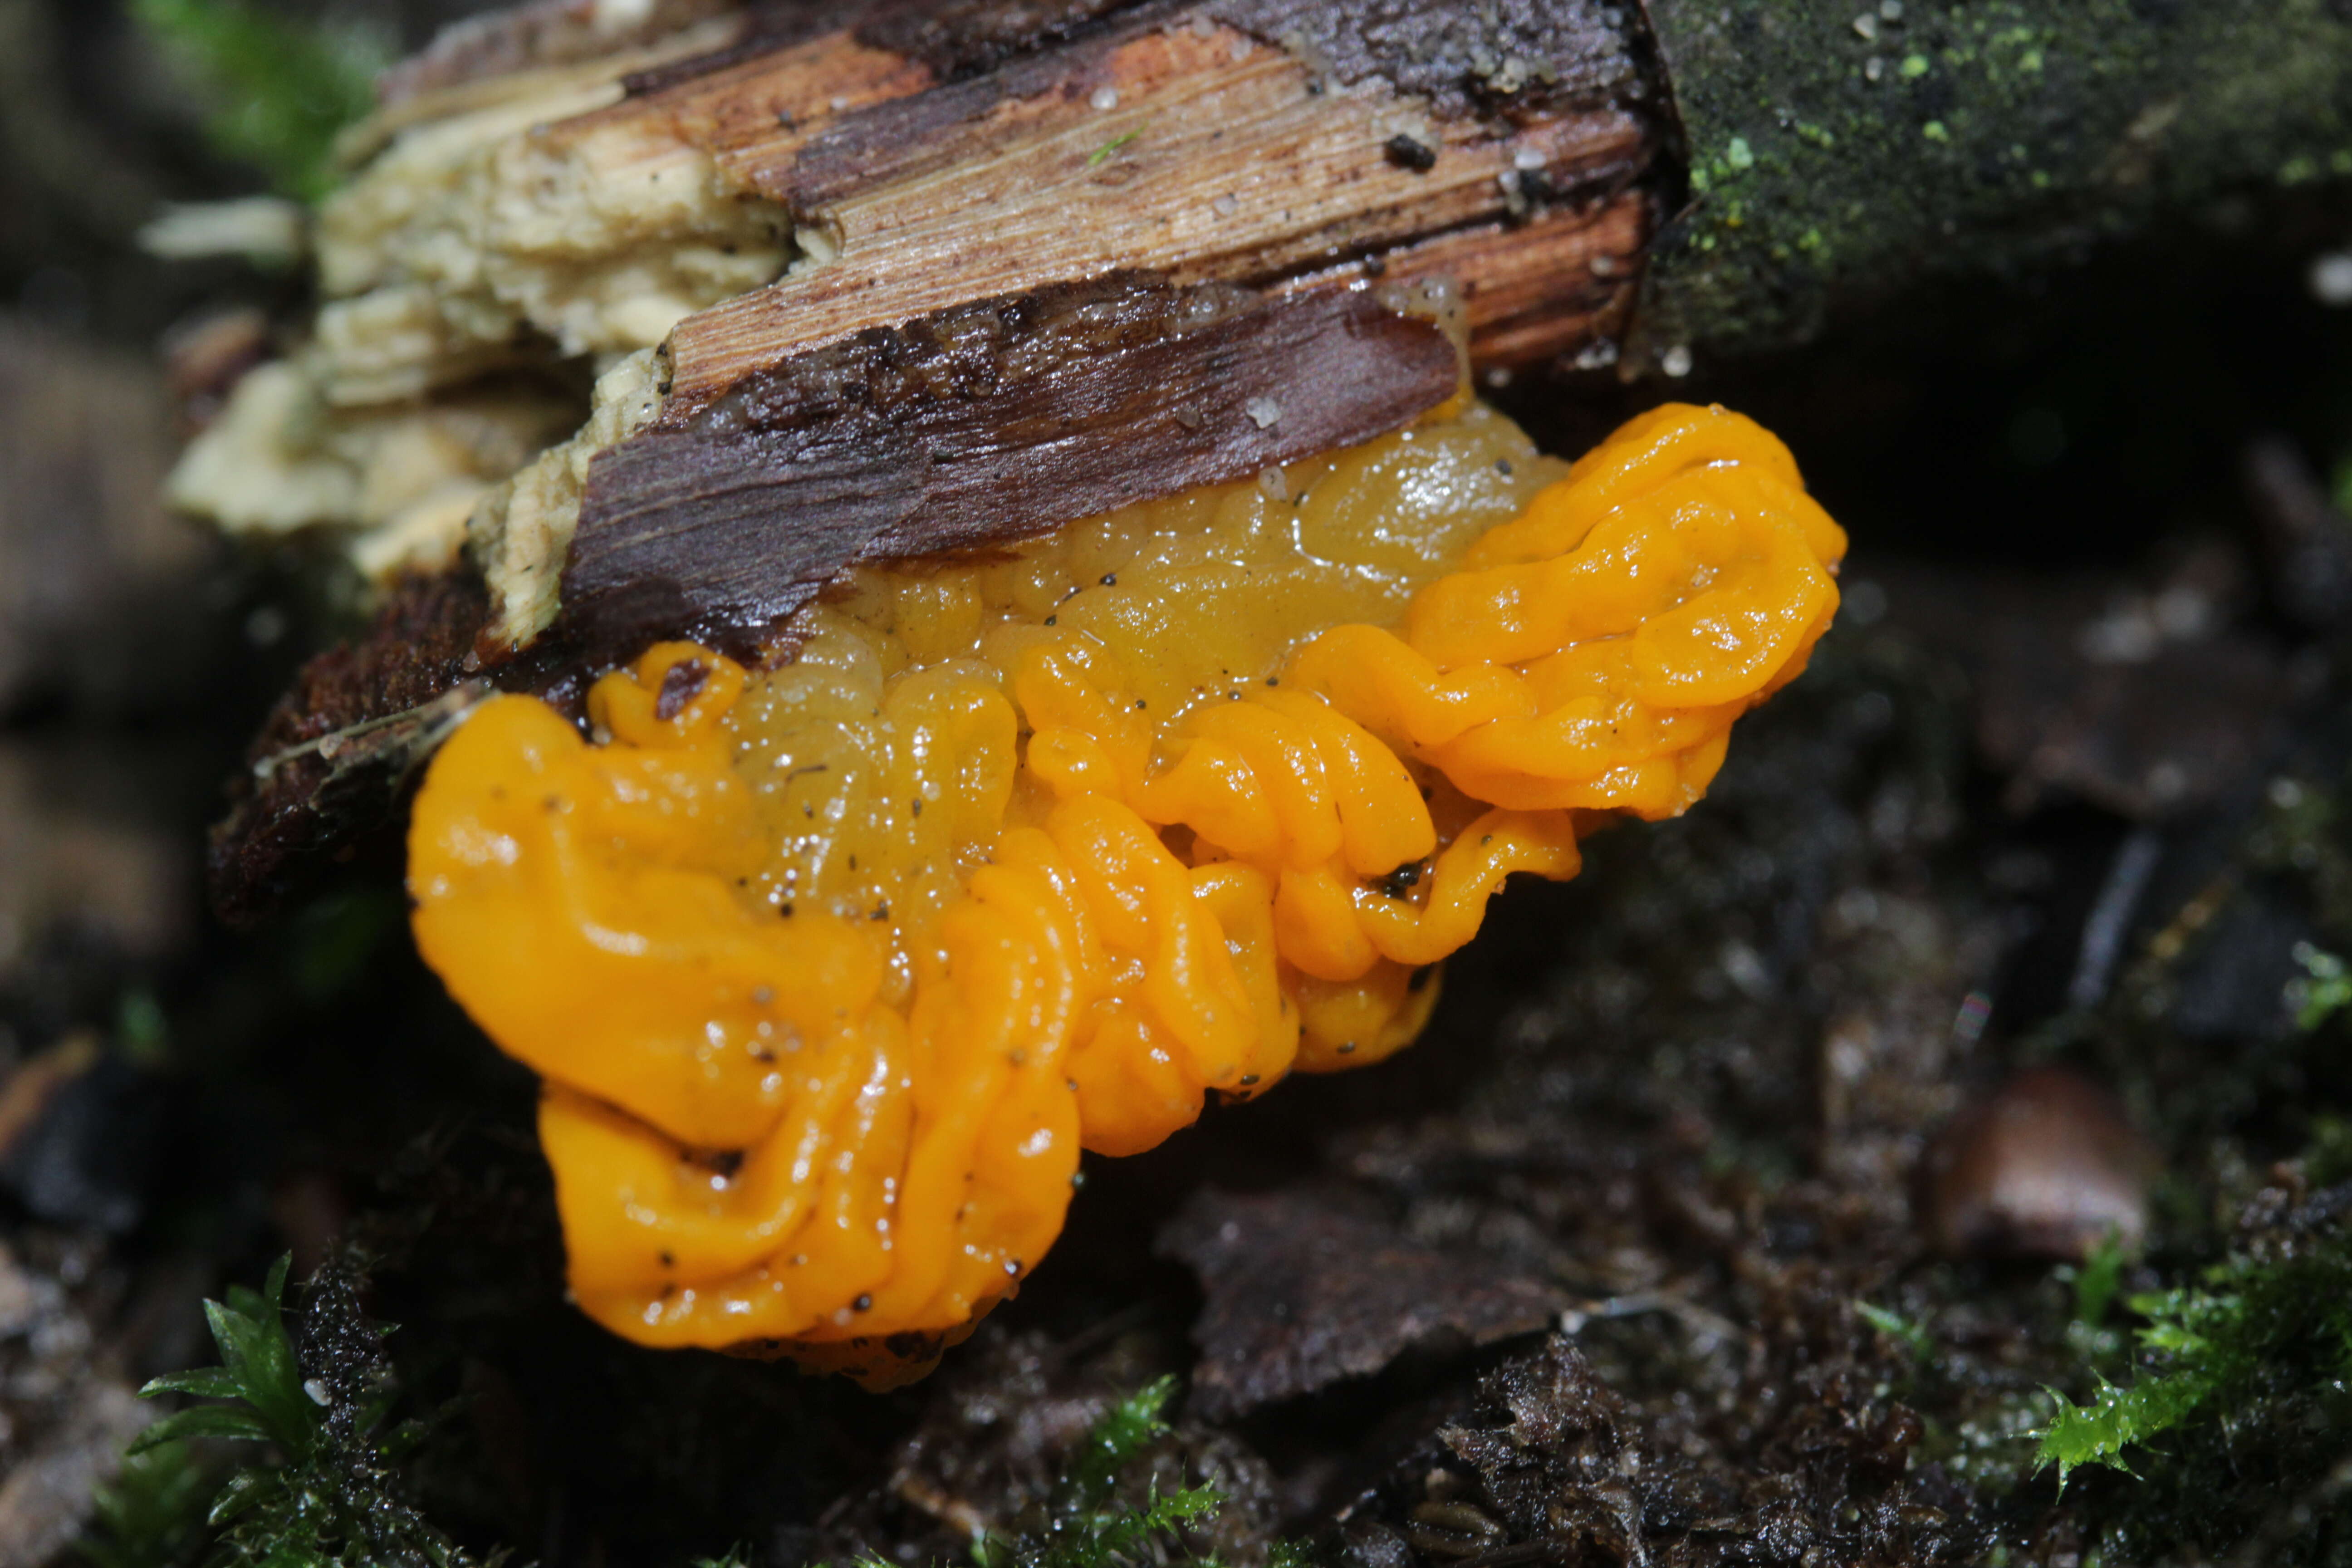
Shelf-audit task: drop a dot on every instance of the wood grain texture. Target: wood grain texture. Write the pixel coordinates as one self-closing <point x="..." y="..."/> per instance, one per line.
<point x="1183" y="147"/>
<point x="1549" y="288"/>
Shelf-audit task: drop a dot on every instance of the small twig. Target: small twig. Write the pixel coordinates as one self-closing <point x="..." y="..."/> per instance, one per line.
<point x="1512" y="1556"/>
<point x="1689" y="1313"/>
<point x="1102" y="1329"/>
<point x="442" y="715"/>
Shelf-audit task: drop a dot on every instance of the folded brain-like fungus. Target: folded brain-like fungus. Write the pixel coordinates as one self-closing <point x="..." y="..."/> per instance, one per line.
<point x="832" y="969"/>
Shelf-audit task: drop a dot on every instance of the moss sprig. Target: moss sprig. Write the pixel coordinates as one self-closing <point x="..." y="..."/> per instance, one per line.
<point x="280" y="92"/>
<point x="2255" y="1326"/>
<point x="326" y="1492"/>
<point x="1085" y="1525"/>
<point x="151" y="1515"/>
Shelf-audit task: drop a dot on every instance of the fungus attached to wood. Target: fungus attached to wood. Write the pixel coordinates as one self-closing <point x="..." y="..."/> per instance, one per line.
<point x="833" y="968"/>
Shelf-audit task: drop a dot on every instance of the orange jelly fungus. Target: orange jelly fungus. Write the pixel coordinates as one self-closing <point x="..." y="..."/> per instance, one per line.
<point x="832" y="970"/>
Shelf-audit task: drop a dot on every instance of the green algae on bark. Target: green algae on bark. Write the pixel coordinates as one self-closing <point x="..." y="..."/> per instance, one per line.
<point x="1853" y="146"/>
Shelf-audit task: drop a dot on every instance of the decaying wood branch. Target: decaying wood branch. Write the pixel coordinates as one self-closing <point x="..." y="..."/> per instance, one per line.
<point x="1175" y="143"/>
<point x="894" y="273"/>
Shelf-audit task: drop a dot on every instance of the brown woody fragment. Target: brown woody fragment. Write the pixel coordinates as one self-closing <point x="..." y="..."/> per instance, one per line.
<point x="1307" y="1287"/>
<point x="334" y="760"/>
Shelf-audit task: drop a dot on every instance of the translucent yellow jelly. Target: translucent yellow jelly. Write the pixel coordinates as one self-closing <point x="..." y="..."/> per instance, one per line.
<point x="832" y="969"/>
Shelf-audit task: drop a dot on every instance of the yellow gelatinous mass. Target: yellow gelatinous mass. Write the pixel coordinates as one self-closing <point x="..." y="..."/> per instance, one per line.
<point x="832" y="970"/>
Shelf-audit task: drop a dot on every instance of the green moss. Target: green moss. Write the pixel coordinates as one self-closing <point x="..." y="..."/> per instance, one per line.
<point x="280" y="92"/>
<point x="1913" y="1337"/>
<point x="2328" y="1160"/>
<point x="152" y="1514"/>
<point x="2244" y="1349"/>
<point x="1903" y="144"/>
<point x="326" y="1492"/>
<point x="2098" y="1281"/>
<point x="1086" y="1526"/>
<point x="2098" y="1431"/>
<point x="2324" y="990"/>
<point x="258" y="1383"/>
<point x="1102" y="154"/>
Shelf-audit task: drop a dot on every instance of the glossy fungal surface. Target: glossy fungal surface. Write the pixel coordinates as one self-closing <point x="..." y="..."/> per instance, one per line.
<point x="832" y="969"/>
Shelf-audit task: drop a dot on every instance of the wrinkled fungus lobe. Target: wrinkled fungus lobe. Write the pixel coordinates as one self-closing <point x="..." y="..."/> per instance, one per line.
<point x="832" y="969"/>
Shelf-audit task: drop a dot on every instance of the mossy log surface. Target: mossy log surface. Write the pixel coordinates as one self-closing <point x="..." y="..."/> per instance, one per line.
<point x="1842" y="146"/>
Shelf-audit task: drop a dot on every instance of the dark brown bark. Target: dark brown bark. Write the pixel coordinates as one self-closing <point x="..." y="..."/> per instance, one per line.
<point x="975" y="427"/>
<point x="334" y="762"/>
